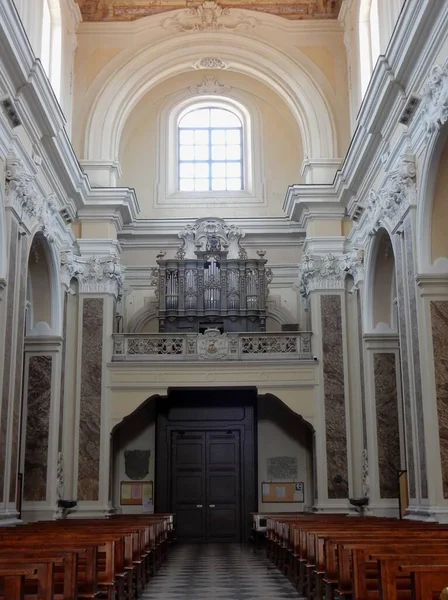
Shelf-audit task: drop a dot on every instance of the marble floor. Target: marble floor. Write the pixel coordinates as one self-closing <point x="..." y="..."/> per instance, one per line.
<point x="218" y="571"/>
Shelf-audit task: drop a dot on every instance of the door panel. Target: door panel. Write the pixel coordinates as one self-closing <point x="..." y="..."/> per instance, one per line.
<point x="188" y="484"/>
<point x="223" y="485"/>
<point x="206" y="485"/>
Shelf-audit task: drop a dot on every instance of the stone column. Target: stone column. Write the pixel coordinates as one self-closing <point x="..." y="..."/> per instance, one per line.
<point x="14" y="299"/>
<point x="40" y="427"/>
<point x="99" y="286"/>
<point x="323" y="282"/>
<point x="385" y="418"/>
<point x="433" y="305"/>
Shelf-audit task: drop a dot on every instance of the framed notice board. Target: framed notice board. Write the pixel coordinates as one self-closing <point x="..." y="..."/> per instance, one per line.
<point x="283" y="491"/>
<point x="136" y="493"/>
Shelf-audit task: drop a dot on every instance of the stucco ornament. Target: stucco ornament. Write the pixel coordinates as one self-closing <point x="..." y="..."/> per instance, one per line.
<point x="208" y="234"/>
<point x="212" y="345"/>
<point x="26" y="200"/>
<point x="435" y="99"/>
<point x="210" y="85"/>
<point x="95" y="275"/>
<point x="330" y="271"/>
<point x="397" y="194"/>
<point x="210" y="63"/>
<point x="210" y="16"/>
<point x="71" y="268"/>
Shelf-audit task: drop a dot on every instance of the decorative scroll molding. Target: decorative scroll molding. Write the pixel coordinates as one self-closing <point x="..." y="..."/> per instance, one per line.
<point x="210" y="85"/>
<point x="29" y="204"/>
<point x="210" y="16"/>
<point x="211" y="235"/>
<point x="2" y="287"/>
<point x="210" y="63"/>
<point x="435" y="99"/>
<point x="329" y="272"/>
<point x="212" y="345"/>
<point x="398" y="193"/>
<point x="94" y="275"/>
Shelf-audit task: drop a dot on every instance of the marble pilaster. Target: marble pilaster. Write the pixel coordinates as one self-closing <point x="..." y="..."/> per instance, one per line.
<point x="439" y="321"/>
<point x="334" y="396"/>
<point x="90" y="399"/>
<point x="414" y="339"/>
<point x="404" y="355"/>
<point x="8" y="359"/>
<point x="387" y="424"/>
<point x="18" y="377"/>
<point x="37" y="428"/>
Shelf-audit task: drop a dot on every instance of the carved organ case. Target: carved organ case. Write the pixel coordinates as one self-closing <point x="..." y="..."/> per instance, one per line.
<point x="211" y="282"/>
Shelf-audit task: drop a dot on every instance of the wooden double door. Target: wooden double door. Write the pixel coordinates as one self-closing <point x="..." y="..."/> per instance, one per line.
<point x="206" y="484"/>
<point x="206" y="462"/>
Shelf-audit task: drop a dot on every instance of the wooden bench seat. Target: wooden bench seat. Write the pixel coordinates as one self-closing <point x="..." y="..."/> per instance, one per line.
<point x="85" y="558"/>
<point x="364" y="558"/>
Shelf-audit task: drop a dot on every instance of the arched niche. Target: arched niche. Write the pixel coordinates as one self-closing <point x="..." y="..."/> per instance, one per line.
<point x="280" y="433"/>
<point x="381" y="285"/>
<point x="43" y="294"/>
<point x="432" y="211"/>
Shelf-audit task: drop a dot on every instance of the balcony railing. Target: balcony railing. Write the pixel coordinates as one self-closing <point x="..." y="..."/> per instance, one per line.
<point x="212" y="345"/>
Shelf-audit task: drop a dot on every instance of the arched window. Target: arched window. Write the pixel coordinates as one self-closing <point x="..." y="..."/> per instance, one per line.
<point x="369" y="40"/>
<point x="210" y="150"/>
<point x="51" y="43"/>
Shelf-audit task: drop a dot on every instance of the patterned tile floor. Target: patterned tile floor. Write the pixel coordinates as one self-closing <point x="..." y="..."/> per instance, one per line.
<point x="218" y="571"/>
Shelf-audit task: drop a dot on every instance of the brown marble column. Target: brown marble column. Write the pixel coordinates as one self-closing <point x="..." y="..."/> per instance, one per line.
<point x="387" y="422"/>
<point x="38" y="403"/>
<point x="439" y="322"/>
<point x="90" y="399"/>
<point x="334" y="396"/>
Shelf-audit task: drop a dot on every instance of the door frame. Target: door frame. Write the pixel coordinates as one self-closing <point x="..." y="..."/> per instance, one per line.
<point x="242" y="398"/>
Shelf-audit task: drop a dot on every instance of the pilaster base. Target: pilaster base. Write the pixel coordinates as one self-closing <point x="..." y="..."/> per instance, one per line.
<point x="9" y="517"/>
<point x="429" y="514"/>
<point x="341" y="507"/>
<point x="91" y="511"/>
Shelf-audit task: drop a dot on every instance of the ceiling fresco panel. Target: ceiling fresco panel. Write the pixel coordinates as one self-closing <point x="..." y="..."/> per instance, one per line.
<point x="130" y="10"/>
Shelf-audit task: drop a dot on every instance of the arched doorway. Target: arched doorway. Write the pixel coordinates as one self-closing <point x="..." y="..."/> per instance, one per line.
<point x="384" y="410"/>
<point x="210" y="453"/>
<point x="40" y="408"/>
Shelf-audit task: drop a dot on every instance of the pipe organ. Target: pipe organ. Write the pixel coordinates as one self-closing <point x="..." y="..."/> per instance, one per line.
<point x="211" y="282"/>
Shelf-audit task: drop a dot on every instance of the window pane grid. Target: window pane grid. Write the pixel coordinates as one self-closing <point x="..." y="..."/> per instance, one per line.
<point x="210" y="151"/>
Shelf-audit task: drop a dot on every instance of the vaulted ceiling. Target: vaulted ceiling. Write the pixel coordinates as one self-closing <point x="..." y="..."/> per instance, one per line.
<point x="130" y="10"/>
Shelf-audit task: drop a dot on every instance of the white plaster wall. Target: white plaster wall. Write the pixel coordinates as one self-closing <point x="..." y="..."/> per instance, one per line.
<point x="279" y="143"/>
<point x="281" y="433"/>
<point x="135" y="433"/>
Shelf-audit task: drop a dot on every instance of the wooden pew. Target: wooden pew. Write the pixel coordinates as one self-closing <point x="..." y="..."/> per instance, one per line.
<point x="82" y="558"/>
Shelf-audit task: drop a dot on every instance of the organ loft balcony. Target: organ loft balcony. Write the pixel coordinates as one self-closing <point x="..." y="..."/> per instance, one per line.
<point x="211" y="304"/>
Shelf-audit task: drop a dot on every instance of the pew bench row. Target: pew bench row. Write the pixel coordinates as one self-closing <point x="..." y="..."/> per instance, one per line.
<point x="367" y="558"/>
<point x="112" y="558"/>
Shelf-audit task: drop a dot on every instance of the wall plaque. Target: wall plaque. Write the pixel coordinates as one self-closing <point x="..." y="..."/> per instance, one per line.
<point x="282" y="467"/>
<point x="136" y="464"/>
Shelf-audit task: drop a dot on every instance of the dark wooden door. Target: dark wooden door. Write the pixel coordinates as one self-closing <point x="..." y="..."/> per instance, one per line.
<point x="206" y="472"/>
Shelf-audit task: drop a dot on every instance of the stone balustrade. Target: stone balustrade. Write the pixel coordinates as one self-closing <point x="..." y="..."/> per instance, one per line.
<point x="212" y="345"/>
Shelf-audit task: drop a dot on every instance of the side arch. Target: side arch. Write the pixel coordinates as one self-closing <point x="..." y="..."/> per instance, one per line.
<point x="425" y="203"/>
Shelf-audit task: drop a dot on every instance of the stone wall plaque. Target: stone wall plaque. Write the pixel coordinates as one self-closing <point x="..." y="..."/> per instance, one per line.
<point x="136" y="464"/>
<point x="282" y="467"/>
